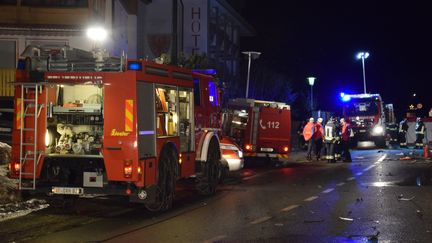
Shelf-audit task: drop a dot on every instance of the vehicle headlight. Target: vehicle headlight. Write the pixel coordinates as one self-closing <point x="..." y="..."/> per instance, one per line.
<point x="377" y="130"/>
<point x="240" y="154"/>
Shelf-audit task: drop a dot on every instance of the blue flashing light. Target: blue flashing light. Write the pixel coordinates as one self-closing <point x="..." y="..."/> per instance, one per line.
<point x="205" y="71"/>
<point x="346" y="98"/>
<point x="136" y="66"/>
<point x="342" y="94"/>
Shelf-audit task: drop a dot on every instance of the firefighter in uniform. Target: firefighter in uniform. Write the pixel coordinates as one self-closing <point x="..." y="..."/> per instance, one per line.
<point x="345" y="134"/>
<point x="308" y="133"/>
<point x="330" y="139"/>
<point x="420" y="132"/>
<point x="318" y="137"/>
<point x="403" y="129"/>
<point x="337" y="145"/>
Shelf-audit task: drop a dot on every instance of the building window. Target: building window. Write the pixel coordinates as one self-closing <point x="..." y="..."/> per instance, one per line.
<point x="56" y="3"/>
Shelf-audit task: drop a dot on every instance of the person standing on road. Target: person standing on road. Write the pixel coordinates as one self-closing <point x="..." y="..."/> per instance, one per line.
<point x="403" y="129"/>
<point x="345" y="135"/>
<point x="330" y="139"/>
<point x="420" y="132"/>
<point x="301" y="141"/>
<point x="308" y="133"/>
<point x="318" y="138"/>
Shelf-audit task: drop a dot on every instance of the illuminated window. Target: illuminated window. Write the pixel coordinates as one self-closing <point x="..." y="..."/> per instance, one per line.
<point x="213" y="94"/>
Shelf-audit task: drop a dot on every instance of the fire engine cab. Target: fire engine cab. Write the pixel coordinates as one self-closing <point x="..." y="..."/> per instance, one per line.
<point x="365" y="113"/>
<point x="261" y="128"/>
<point x="90" y="124"/>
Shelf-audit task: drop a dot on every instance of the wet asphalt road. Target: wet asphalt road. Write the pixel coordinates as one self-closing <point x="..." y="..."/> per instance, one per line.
<point x="376" y="198"/>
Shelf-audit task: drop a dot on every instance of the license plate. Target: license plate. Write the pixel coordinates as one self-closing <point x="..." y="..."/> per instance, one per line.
<point x="5" y="129"/>
<point x="267" y="149"/>
<point x="68" y="190"/>
<point x="362" y="130"/>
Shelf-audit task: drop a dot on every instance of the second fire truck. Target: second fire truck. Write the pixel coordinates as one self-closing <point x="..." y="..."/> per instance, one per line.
<point x="261" y="128"/>
<point x="90" y="124"/>
<point x="366" y="115"/>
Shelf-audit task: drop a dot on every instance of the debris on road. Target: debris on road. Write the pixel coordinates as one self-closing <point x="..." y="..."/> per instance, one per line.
<point x="278" y="224"/>
<point x="360" y="157"/>
<point x="359" y="199"/>
<point x="405" y="199"/>
<point x="346" y="219"/>
<point x="405" y="158"/>
<point x="419" y="213"/>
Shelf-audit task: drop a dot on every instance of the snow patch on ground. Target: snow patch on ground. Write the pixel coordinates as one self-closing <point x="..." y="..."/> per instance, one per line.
<point x="18" y="209"/>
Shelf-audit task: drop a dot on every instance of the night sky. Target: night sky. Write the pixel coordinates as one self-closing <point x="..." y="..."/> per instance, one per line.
<point x="321" y="38"/>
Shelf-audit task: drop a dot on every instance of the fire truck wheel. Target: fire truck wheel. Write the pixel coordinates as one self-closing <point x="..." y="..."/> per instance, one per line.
<point x="167" y="176"/>
<point x="210" y="175"/>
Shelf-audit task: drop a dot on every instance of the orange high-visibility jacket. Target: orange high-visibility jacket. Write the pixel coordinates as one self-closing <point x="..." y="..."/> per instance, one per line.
<point x="308" y="131"/>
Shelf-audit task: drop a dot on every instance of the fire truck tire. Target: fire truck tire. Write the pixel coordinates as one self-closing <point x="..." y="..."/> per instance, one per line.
<point x="167" y="176"/>
<point x="209" y="178"/>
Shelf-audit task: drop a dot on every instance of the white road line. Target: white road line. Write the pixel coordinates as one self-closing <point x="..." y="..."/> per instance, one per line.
<point x="217" y="238"/>
<point x="260" y="220"/>
<point x="359" y="173"/>
<point x="351" y="178"/>
<point x="291" y="207"/>
<point x="340" y="184"/>
<point x="328" y="190"/>
<point x="310" y="198"/>
<point x="382" y="158"/>
<point x="368" y="168"/>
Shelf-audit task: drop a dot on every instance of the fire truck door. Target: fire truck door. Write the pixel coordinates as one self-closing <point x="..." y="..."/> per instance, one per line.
<point x="146" y="120"/>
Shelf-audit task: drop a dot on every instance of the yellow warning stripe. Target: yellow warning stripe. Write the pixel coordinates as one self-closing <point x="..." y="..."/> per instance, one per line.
<point x="18" y="114"/>
<point x="129" y="116"/>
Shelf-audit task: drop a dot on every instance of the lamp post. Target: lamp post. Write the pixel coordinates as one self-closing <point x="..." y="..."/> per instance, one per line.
<point x="254" y="55"/>
<point x="311" y="81"/>
<point x="363" y="56"/>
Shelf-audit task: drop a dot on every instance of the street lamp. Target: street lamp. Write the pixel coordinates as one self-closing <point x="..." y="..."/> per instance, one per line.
<point x="254" y="55"/>
<point x="363" y="56"/>
<point x="311" y="81"/>
<point x="97" y="34"/>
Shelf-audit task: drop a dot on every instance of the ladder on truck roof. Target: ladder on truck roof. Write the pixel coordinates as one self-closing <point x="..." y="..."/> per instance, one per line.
<point x="67" y="59"/>
<point x="29" y="112"/>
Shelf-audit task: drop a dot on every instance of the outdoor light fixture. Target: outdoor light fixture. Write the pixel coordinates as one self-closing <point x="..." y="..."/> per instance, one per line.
<point x="97" y="33"/>
<point x="254" y="55"/>
<point x="363" y="56"/>
<point x="311" y="81"/>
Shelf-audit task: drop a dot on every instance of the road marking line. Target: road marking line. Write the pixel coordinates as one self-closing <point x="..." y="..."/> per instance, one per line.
<point x="351" y="178"/>
<point x="249" y="177"/>
<point x="217" y="238"/>
<point x="340" y="184"/>
<point x="368" y="168"/>
<point x="310" y="198"/>
<point x="359" y="173"/>
<point x="382" y="158"/>
<point x="328" y="190"/>
<point x="260" y="220"/>
<point x="289" y="208"/>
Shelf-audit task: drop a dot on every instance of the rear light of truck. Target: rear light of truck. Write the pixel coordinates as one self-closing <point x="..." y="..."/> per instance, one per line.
<point x="248" y="147"/>
<point x="16" y="168"/>
<point x="285" y="149"/>
<point x="127" y="168"/>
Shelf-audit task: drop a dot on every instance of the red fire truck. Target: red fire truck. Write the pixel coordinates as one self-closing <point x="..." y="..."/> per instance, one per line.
<point x="90" y="124"/>
<point x="366" y="115"/>
<point x="261" y="128"/>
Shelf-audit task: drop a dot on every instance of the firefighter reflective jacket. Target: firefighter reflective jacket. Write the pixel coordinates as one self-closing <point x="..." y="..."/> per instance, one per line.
<point x="308" y="131"/>
<point x="420" y="128"/>
<point x="403" y="126"/>
<point x="330" y="131"/>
